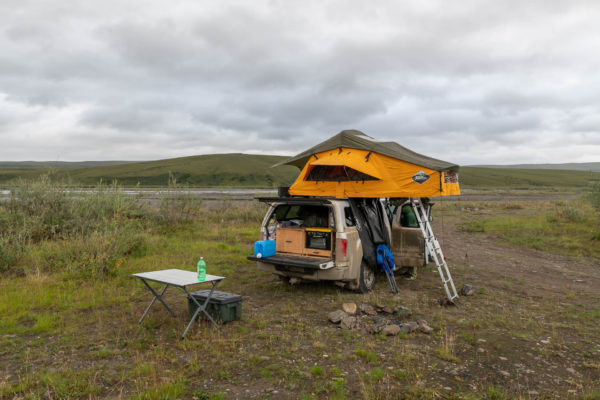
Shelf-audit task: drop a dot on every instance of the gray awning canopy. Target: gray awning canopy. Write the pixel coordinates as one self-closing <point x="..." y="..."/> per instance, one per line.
<point x="354" y="139"/>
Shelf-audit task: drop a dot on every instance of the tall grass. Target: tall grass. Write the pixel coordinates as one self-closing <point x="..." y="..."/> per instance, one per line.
<point x="594" y="199"/>
<point x="44" y="227"/>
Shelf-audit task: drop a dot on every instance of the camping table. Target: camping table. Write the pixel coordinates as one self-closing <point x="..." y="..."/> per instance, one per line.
<point x="181" y="279"/>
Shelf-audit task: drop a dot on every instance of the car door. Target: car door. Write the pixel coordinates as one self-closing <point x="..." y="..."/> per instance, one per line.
<point x="408" y="244"/>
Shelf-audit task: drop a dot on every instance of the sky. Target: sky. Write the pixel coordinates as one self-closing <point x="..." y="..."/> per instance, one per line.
<point x="470" y="82"/>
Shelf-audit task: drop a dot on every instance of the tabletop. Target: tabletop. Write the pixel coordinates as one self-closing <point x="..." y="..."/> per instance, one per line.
<point x="176" y="277"/>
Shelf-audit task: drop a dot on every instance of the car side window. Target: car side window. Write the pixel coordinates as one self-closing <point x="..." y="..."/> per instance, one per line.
<point x="408" y="219"/>
<point x="349" y="217"/>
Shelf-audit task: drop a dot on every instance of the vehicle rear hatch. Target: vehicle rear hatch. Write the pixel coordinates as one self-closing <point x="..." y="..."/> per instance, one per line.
<point x="304" y="232"/>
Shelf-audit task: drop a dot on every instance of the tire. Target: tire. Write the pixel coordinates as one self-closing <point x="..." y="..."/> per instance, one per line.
<point x="367" y="278"/>
<point x="284" y="279"/>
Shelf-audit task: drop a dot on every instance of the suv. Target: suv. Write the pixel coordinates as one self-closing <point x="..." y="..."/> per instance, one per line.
<point x="317" y="239"/>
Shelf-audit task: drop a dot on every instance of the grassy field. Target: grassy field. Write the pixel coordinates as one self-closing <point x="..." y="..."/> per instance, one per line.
<point x="69" y="307"/>
<point x="243" y="170"/>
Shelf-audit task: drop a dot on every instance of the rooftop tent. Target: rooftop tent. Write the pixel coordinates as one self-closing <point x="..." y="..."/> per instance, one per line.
<point x="352" y="164"/>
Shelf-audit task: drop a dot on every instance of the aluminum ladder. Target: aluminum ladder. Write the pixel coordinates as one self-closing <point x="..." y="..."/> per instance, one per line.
<point x="433" y="248"/>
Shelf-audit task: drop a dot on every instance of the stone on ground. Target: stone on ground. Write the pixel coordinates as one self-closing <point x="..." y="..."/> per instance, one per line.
<point x="409" y="327"/>
<point x="423" y="327"/>
<point x="366" y="308"/>
<point x="467" y="290"/>
<point x="391" y="330"/>
<point x="446" y="302"/>
<point x="349" y="322"/>
<point x="402" y="311"/>
<point x="349" y="308"/>
<point x="337" y="316"/>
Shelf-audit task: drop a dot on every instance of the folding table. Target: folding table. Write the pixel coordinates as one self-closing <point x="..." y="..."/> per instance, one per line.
<point x="181" y="279"/>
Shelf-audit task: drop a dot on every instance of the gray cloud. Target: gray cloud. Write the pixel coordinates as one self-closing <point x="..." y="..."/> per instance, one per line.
<point x="470" y="82"/>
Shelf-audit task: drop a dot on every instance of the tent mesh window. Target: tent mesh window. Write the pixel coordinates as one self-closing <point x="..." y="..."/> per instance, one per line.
<point x="337" y="173"/>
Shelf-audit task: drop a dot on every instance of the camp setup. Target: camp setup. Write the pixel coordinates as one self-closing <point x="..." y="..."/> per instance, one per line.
<point x="344" y="189"/>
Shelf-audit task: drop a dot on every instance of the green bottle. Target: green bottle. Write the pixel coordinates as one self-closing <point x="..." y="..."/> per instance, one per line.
<point x="201" y="270"/>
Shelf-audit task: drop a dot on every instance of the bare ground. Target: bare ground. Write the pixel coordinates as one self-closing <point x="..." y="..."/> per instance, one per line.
<point x="532" y="330"/>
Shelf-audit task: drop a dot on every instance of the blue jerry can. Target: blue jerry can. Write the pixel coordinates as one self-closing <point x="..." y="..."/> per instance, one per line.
<point x="264" y="248"/>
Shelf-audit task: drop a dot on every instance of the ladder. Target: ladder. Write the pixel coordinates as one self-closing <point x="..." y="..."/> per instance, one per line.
<point x="432" y="247"/>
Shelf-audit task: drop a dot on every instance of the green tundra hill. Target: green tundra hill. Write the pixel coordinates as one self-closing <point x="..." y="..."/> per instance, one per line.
<point x="212" y="170"/>
<point x="478" y="177"/>
<point x="22" y="165"/>
<point x="589" y="166"/>
<point x="245" y="170"/>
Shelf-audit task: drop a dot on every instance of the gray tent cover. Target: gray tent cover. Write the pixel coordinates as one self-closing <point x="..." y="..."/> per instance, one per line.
<point x="354" y="139"/>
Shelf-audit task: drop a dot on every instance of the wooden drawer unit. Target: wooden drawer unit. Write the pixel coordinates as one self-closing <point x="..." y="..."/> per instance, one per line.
<point x="289" y="240"/>
<point x="318" y="242"/>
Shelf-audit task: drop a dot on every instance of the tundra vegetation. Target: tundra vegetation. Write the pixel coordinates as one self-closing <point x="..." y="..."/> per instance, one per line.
<point x="69" y="307"/>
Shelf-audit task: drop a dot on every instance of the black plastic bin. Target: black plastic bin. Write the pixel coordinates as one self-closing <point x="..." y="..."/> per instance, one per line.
<point x="223" y="307"/>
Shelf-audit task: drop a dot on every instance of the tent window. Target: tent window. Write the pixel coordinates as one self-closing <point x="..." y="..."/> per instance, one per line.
<point x="337" y="173"/>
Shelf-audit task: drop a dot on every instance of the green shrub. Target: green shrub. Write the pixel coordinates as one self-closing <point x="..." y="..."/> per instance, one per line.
<point x="53" y="228"/>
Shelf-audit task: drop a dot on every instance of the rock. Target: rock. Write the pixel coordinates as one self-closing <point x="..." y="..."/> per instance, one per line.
<point x="367" y="308"/>
<point x="480" y="350"/>
<point x="409" y="327"/>
<point x="423" y="327"/>
<point x="349" y="308"/>
<point x="402" y="311"/>
<point x="337" y="316"/>
<point x="379" y="306"/>
<point x="505" y="373"/>
<point x="570" y="370"/>
<point x="446" y="302"/>
<point x="349" y="322"/>
<point x="387" y="310"/>
<point x="467" y="290"/>
<point x="378" y="324"/>
<point x="391" y="330"/>
<point x="503" y="358"/>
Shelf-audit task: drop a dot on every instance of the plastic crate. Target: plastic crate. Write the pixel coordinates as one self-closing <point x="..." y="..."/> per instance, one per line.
<point x="223" y="307"/>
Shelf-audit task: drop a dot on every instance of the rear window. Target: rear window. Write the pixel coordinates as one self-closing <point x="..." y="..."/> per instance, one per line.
<point x="303" y="215"/>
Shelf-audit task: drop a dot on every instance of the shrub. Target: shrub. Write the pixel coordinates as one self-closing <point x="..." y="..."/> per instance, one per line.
<point x="58" y="228"/>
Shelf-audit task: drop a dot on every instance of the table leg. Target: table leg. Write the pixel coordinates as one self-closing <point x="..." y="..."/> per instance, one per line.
<point x="201" y="308"/>
<point x="156" y="296"/>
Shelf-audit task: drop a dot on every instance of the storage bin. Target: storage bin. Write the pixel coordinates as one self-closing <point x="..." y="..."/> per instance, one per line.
<point x="223" y="307"/>
<point x="266" y="248"/>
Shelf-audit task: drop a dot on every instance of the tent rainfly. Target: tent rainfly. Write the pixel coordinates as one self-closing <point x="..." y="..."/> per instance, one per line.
<point x="352" y="164"/>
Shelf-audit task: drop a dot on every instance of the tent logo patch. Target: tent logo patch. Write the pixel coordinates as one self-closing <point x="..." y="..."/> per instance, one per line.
<point x="420" y="177"/>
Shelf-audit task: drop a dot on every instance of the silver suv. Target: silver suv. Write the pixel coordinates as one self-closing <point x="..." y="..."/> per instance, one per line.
<point x="317" y="239"/>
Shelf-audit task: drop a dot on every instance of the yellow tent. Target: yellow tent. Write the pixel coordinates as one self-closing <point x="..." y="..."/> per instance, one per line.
<point x="352" y="164"/>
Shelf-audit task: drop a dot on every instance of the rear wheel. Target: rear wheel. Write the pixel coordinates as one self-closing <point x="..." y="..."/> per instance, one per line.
<point x="367" y="277"/>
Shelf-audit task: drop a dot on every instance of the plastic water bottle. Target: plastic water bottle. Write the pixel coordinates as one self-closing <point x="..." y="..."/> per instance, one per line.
<point x="201" y="270"/>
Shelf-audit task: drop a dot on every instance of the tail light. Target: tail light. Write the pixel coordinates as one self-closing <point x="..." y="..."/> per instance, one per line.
<point x="341" y="247"/>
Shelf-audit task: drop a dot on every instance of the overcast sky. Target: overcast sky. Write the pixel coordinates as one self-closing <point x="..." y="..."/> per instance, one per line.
<point x="470" y="82"/>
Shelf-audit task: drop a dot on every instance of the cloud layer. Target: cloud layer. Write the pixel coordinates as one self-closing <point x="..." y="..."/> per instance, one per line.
<point x="469" y="82"/>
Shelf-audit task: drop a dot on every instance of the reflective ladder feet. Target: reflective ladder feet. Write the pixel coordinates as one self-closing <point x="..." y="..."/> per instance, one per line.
<point x="433" y="248"/>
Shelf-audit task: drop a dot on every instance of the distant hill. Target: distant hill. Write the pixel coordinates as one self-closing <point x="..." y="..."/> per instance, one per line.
<point x="478" y="177"/>
<point x="592" y="166"/>
<point x="253" y="171"/>
<point x="212" y="170"/>
<point x="58" y="164"/>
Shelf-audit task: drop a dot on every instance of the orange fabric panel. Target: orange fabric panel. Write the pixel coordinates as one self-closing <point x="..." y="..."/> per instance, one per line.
<point x="396" y="178"/>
